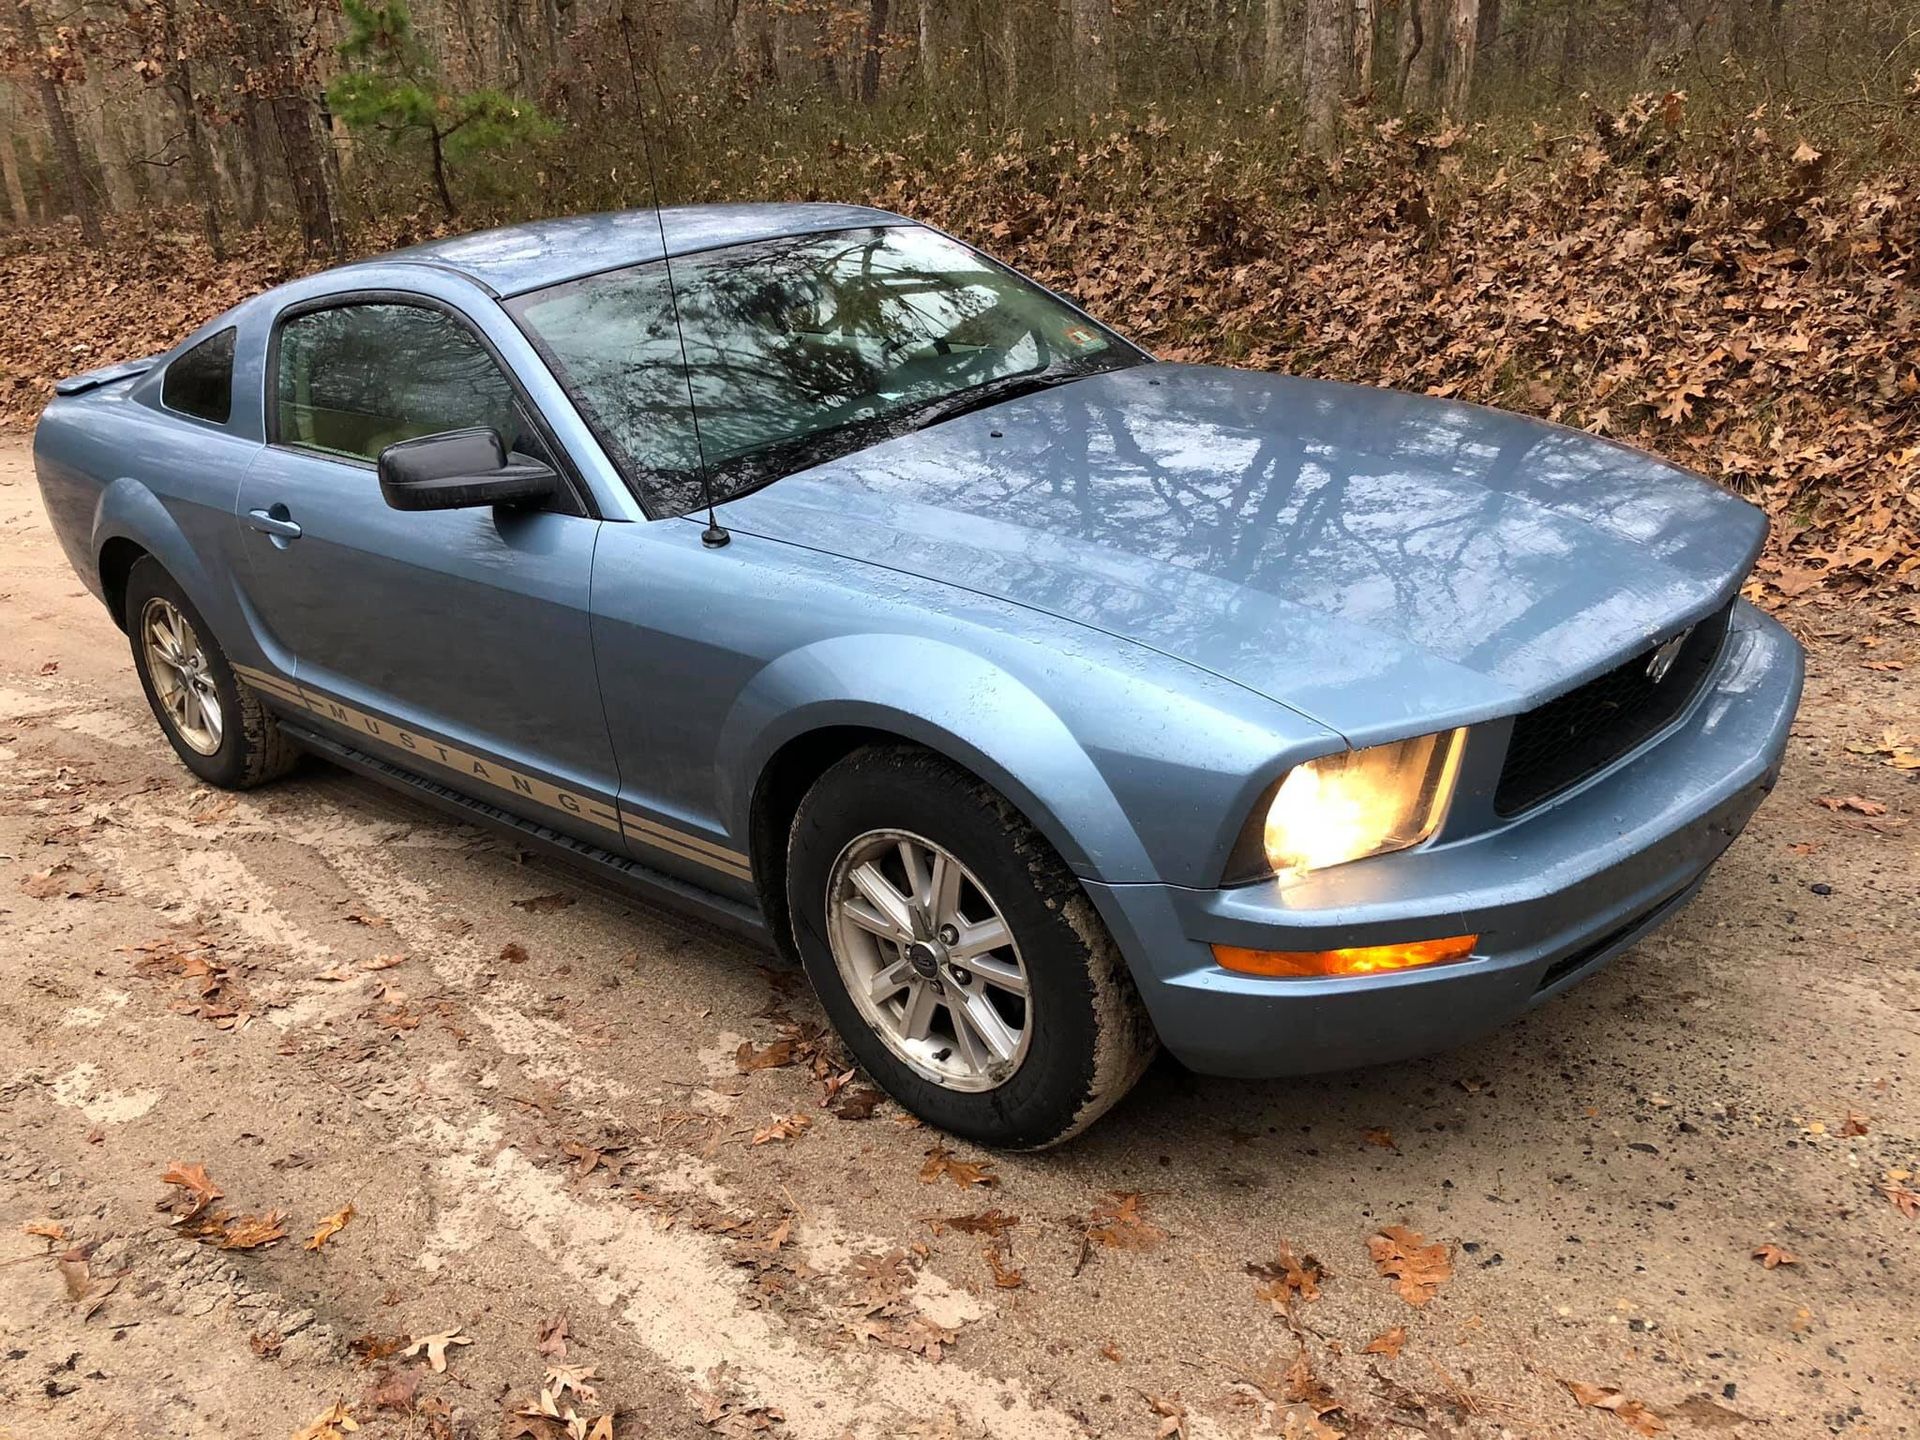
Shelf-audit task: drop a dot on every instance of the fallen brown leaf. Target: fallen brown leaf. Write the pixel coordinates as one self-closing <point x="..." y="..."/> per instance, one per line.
<point x="940" y="1162"/>
<point x="1773" y="1257"/>
<point x="1387" y="1343"/>
<point x="331" y="1226"/>
<point x="434" y="1348"/>
<point x="254" y="1232"/>
<point x="1405" y="1256"/>
<point x="1606" y="1397"/>
<point x="1120" y="1223"/>
<point x="1859" y="804"/>
<point x="333" y="1422"/>
<point x="543" y="904"/>
<point x="1288" y="1277"/>
<point x="783" y="1128"/>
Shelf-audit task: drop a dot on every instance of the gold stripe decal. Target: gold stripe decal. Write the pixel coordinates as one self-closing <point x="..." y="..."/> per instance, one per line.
<point x="501" y="777"/>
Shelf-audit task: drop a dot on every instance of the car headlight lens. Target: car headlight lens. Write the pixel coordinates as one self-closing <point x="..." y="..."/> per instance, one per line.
<point x="1361" y="802"/>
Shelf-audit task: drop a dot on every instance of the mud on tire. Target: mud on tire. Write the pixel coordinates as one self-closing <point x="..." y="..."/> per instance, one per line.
<point x="1090" y="1037"/>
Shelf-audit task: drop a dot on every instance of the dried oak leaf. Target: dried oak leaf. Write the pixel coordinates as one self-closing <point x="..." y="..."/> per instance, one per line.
<point x="1387" y="1343"/>
<point x="331" y="1226"/>
<point x="1006" y="1275"/>
<point x="393" y="1390"/>
<point x="330" y="1424"/>
<point x="193" y="1178"/>
<point x="1120" y="1223"/>
<point x="542" y="904"/>
<point x="988" y="1222"/>
<point x="1773" y="1256"/>
<point x="1606" y="1397"/>
<point x="1903" y="1198"/>
<point x="1405" y="1256"/>
<point x="940" y="1162"/>
<point x="1288" y="1277"/>
<point x="771" y="1056"/>
<point x="550" y="1338"/>
<point x="434" y="1348"/>
<point x="46" y="1229"/>
<point x="1172" y="1413"/>
<point x="254" y="1232"/>
<point x="783" y="1128"/>
<point x="371" y="1347"/>
<point x="858" y="1103"/>
<point x="1859" y="804"/>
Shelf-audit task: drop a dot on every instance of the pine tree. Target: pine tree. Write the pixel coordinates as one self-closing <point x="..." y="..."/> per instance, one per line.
<point x="393" y="90"/>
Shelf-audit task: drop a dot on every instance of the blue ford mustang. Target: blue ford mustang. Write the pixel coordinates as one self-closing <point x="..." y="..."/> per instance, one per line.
<point x="1048" y="702"/>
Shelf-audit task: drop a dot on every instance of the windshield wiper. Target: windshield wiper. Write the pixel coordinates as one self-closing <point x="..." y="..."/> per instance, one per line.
<point x="988" y="392"/>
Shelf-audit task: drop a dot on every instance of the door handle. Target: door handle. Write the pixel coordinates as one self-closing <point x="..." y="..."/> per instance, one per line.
<point x="274" y="522"/>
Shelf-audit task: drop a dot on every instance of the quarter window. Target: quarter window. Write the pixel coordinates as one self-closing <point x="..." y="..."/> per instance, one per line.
<point x="200" y="382"/>
<point x="354" y="379"/>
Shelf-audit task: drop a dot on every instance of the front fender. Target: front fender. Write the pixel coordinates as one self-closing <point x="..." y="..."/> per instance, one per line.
<point x="952" y="701"/>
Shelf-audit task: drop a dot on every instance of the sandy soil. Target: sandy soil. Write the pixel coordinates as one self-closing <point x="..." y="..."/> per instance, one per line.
<point x="564" y="1130"/>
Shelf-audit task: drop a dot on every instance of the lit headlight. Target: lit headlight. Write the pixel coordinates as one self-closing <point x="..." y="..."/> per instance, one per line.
<point x="1361" y="802"/>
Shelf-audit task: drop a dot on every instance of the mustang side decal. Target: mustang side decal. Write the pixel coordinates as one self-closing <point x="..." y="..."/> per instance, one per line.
<point x="638" y="828"/>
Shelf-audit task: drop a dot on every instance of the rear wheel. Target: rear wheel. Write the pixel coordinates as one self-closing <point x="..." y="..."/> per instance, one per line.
<point x="957" y="955"/>
<point x="214" y="720"/>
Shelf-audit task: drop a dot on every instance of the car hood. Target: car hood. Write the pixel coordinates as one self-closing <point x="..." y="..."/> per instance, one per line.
<point x="1373" y="559"/>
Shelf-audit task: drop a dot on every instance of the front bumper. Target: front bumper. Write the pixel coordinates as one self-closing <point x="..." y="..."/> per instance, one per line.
<point x="1553" y="895"/>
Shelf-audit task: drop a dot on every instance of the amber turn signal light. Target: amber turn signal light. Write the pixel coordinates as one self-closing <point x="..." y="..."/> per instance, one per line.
<point x="1359" y="960"/>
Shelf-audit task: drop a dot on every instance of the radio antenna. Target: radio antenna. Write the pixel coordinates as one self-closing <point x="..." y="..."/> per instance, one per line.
<point x="713" y="537"/>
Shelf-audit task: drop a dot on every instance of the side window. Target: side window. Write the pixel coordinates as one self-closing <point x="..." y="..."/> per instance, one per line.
<point x="200" y="382"/>
<point x="355" y="379"/>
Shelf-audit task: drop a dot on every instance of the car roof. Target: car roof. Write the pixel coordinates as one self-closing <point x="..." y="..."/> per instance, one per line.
<point x="517" y="258"/>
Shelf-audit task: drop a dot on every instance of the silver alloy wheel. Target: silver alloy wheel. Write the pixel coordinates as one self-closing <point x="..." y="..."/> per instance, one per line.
<point x="182" y="678"/>
<point x="929" y="960"/>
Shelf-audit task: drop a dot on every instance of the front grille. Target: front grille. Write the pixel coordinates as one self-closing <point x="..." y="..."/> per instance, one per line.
<point x="1585" y="730"/>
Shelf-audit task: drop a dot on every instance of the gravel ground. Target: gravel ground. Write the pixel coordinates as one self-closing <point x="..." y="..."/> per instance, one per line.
<point x="531" y="1093"/>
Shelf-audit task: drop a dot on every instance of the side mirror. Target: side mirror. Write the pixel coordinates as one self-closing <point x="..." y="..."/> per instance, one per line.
<point x="460" y="470"/>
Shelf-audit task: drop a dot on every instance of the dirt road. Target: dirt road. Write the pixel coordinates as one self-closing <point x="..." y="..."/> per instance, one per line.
<point x="532" y="1096"/>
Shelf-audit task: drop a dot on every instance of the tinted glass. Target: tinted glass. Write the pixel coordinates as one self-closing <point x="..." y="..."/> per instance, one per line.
<point x="358" y="378"/>
<point x="800" y="349"/>
<point x="200" y="382"/>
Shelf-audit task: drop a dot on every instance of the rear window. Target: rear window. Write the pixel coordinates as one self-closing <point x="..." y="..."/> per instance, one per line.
<point x="200" y="382"/>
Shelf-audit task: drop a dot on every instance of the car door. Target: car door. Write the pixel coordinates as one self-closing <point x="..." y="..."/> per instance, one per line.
<point x="454" y="642"/>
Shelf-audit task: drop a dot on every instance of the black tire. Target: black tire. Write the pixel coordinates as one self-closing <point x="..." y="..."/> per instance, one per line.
<point x="252" y="749"/>
<point x="1090" y="1036"/>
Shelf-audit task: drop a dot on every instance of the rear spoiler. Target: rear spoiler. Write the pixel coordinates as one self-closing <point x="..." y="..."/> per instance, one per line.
<point x="105" y="375"/>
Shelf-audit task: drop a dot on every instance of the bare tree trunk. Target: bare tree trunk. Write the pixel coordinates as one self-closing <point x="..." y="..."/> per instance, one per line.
<point x="60" y="125"/>
<point x="1276" y="49"/>
<point x="872" y="51"/>
<point x="1325" y="69"/>
<point x="10" y="177"/>
<point x="1567" y="68"/>
<point x="1463" y="32"/>
<point x="1093" y="63"/>
<point x="929" y="43"/>
<point x="294" y="121"/>
<point x="179" y="83"/>
<point x="1421" y="63"/>
<point x="1360" y="47"/>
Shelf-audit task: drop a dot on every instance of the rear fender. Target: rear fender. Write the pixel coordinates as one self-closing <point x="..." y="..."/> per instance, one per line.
<point x="128" y="510"/>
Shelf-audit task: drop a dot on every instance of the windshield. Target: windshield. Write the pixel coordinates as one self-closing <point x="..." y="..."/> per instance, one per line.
<point x="800" y="349"/>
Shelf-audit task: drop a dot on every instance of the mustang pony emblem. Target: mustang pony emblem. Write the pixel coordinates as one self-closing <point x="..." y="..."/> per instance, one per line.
<point x="1662" y="662"/>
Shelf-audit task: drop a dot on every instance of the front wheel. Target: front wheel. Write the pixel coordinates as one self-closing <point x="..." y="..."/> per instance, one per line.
<point x="957" y="955"/>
